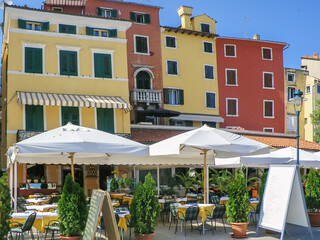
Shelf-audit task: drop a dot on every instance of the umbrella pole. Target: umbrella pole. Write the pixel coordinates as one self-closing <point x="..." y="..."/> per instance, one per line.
<point x="71" y="155"/>
<point x="205" y="175"/>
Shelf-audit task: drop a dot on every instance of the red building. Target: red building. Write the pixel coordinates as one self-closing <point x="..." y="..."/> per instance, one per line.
<point x="143" y="46"/>
<point x="251" y="84"/>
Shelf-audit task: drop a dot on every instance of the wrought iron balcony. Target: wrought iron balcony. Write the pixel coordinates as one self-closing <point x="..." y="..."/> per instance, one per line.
<point x="146" y="96"/>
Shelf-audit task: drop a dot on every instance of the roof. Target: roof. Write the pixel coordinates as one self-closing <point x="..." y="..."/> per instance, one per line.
<point x="188" y="31"/>
<point x="256" y="40"/>
<point x="311" y="57"/>
<point x="204" y="15"/>
<point x="153" y="134"/>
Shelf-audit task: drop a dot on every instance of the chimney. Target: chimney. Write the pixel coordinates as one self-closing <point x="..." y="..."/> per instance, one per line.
<point x="315" y="55"/>
<point x="185" y="14"/>
<point x="256" y="37"/>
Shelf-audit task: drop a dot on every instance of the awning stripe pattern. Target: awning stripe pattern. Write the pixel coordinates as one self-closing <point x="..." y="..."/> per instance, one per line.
<point x="72" y="100"/>
<point x="66" y="2"/>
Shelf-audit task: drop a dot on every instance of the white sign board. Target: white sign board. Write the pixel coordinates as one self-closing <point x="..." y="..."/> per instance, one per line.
<point x="283" y="200"/>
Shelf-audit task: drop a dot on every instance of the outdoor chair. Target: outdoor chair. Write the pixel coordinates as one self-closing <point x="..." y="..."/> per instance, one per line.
<point x="192" y="200"/>
<point x="253" y="213"/>
<point x="174" y="211"/>
<point x="52" y="226"/>
<point x="218" y="212"/>
<point x="101" y="225"/>
<point x="165" y="210"/>
<point x="19" y="229"/>
<point x="54" y="200"/>
<point x="121" y="209"/>
<point x="191" y="214"/>
<point x="214" y="199"/>
<point x="130" y="225"/>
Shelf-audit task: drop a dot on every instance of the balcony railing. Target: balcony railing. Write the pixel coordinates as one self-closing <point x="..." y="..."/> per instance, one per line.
<point x="146" y="96"/>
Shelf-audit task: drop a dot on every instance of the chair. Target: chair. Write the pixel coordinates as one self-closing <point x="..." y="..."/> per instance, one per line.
<point x="191" y="214"/>
<point x="54" y="200"/>
<point x="130" y="225"/>
<point x="253" y="213"/>
<point x="165" y="210"/>
<point x="218" y="212"/>
<point x="121" y="209"/>
<point x="174" y="211"/>
<point x="192" y="200"/>
<point x="21" y="202"/>
<point x="214" y="199"/>
<point x="20" y="229"/>
<point x="52" y="226"/>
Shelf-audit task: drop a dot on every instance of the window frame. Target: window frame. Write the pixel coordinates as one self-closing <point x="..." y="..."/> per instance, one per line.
<point x="114" y="119"/>
<point x="263" y="86"/>
<point x="264" y="109"/>
<point x="33" y="45"/>
<point x="292" y="94"/>
<point x="203" y="44"/>
<point x="68" y="48"/>
<point x="271" y="53"/>
<point x="226" y="76"/>
<point x="143" y="15"/>
<point x="57" y="8"/>
<point x="204" y="69"/>
<point x="294" y="77"/>
<point x="135" y="44"/>
<point x="307" y="89"/>
<point x="170" y="89"/>
<point x="235" y="50"/>
<point x="169" y="74"/>
<point x="61" y="112"/>
<point x="215" y="100"/>
<point x="102" y="51"/>
<point x="203" y="23"/>
<point x="165" y="42"/>
<point x="271" y="128"/>
<point x="237" y="107"/>
<point x="68" y="25"/>
<point x="25" y="117"/>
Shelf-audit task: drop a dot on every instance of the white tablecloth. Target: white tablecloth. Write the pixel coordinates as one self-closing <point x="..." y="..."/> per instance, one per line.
<point x="41" y="208"/>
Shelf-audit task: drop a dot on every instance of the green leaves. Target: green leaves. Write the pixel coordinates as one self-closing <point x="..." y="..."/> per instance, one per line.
<point x="5" y="207"/>
<point x="313" y="191"/>
<point x="315" y="119"/>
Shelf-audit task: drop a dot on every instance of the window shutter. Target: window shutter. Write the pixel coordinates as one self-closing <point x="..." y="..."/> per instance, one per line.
<point x="181" y="97"/>
<point x="113" y="33"/>
<point x="147" y="18"/>
<point x="107" y="66"/>
<point x="37" y="60"/>
<point x="114" y="13"/>
<point x="45" y="26"/>
<point x="22" y="24"/>
<point x="132" y="16"/>
<point x="98" y="65"/>
<point x="89" y="31"/>
<point x="28" y="60"/>
<point x="99" y="12"/>
<point x="72" y="29"/>
<point x="231" y="77"/>
<point x="165" y="96"/>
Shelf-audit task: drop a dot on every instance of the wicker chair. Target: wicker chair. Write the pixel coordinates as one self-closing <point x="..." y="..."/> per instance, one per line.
<point x="191" y="214"/>
<point x="19" y="229"/>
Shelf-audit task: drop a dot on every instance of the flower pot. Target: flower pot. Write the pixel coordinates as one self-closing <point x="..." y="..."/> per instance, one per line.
<point x="314" y="219"/>
<point x="70" y="238"/>
<point x="43" y="180"/>
<point x="144" y="236"/>
<point x="28" y="180"/>
<point x="239" y="230"/>
<point x="35" y="180"/>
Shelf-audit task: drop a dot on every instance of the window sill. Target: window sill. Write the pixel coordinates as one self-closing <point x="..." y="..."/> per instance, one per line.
<point x="232" y="115"/>
<point x="211" y="53"/>
<point x="146" y="54"/>
<point x="230" y="56"/>
<point x="173" y="105"/>
<point x="174" y="75"/>
<point x="211" y="108"/>
<point x="269" y="88"/>
<point x="232" y="85"/>
<point x="271" y="117"/>
<point x="171" y="47"/>
<point x="267" y="59"/>
<point x="209" y="79"/>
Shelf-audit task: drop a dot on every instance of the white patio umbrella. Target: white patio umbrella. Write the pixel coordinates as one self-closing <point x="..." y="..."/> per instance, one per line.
<point x="306" y="159"/>
<point x="206" y="140"/>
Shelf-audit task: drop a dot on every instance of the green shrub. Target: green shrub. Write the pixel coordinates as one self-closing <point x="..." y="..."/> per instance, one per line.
<point x="238" y="203"/>
<point x="72" y="209"/>
<point x="129" y="183"/>
<point x="113" y="185"/>
<point x="262" y="185"/>
<point x="5" y="207"/>
<point x="313" y="191"/>
<point x="120" y="181"/>
<point x="145" y="207"/>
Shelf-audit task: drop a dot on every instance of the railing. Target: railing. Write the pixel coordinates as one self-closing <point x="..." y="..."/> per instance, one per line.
<point x="146" y="96"/>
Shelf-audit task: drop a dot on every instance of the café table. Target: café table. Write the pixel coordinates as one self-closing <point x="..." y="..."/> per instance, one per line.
<point x="127" y="199"/>
<point x="41" y="208"/>
<point x="37" y="200"/>
<point x="124" y="216"/>
<point x="117" y="195"/>
<point x="253" y="201"/>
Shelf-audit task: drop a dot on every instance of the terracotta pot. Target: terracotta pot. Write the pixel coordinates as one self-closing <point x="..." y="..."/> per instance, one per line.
<point x="239" y="230"/>
<point x="314" y="219"/>
<point x="29" y="180"/>
<point x="35" y="180"/>
<point x="70" y="238"/>
<point x="144" y="236"/>
<point x="43" y="180"/>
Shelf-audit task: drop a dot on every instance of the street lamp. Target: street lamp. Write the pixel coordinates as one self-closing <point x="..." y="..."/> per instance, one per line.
<point x="297" y="101"/>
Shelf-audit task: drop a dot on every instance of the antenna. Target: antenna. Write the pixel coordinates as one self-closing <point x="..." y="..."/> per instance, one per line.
<point x="245" y="20"/>
<point x="8" y="2"/>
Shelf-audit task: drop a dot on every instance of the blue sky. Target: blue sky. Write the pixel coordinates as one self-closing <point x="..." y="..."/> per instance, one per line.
<point x="293" y="22"/>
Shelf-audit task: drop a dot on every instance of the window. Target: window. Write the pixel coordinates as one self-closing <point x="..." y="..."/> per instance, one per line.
<point x="208" y="72"/>
<point x="173" y="96"/>
<point x="231" y="77"/>
<point x="172" y="67"/>
<point x="308" y="89"/>
<point x="209" y="124"/>
<point x="70" y="114"/>
<point x="102" y="65"/>
<point x="67" y="29"/>
<point x="140" y="17"/>
<point x="232" y="106"/>
<point x="291" y="77"/>
<point x="57" y="9"/>
<point x="34" y="118"/>
<point x="105" y="119"/>
<point x="141" y="44"/>
<point x="268" y="109"/>
<point x="207" y="47"/>
<point x="318" y="88"/>
<point x="291" y="123"/>
<point x="171" y="42"/>
<point x="68" y="63"/>
<point x="33" y="60"/>
<point x="267" y="53"/>
<point x="230" y="50"/>
<point x="291" y="91"/>
<point x="31" y="25"/>
<point x="99" y="32"/>
<point x="267" y="80"/>
<point x="210" y="100"/>
<point x="105" y="12"/>
<point x="268" y="129"/>
<point x="143" y="80"/>
<point x="205" y="27"/>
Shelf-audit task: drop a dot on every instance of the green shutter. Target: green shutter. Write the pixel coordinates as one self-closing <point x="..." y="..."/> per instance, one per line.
<point x="102" y="65"/>
<point x="72" y="29"/>
<point x="22" y="24"/>
<point x="38" y="60"/>
<point x="67" y="29"/>
<point x="147" y="18"/>
<point x="165" y="96"/>
<point x="181" y="97"/>
<point x="99" y="12"/>
<point x="113" y="33"/>
<point x="45" y="26"/>
<point x="89" y="31"/>
<point x="105" y="120"/>
<point x="34" y="118"/>
<point x="107" y="66"/>
<point x="114" y="13"/>
<point x="70" y="114"/>
<point x="132" y="16"/>
<point x="68" y="63"/>
<point x="33" y="60"/>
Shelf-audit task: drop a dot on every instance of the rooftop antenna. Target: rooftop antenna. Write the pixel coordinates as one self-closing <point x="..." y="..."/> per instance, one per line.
<point x="245" y="20"/>
<point x="8" y="2"/>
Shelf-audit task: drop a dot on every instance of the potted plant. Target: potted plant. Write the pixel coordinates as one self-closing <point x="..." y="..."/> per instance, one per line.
<point x="72" y="210"/>
<point x="113" y="185"/>
<point x="145" y="209"/>
<point x="313" y="197"/>
<point x="238" y="206"/>
<point x="5" y="209"/>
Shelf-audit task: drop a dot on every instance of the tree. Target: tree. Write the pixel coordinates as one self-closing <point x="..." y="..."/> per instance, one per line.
<point x="186" y="179"/>
<point x="5" y="207"/>
<point x="313" y="191"/>
<point x="315" y="119"/>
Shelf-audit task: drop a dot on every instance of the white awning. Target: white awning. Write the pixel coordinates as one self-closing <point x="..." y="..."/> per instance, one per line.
<point x="67" y="2"/>
<point x="198" y="117"/>
<point x="72" y="100"/>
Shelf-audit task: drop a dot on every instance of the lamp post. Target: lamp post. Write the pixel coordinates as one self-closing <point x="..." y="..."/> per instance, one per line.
<point x="297" y="101"/>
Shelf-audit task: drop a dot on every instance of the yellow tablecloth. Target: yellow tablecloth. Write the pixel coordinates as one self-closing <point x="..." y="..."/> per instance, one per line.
<point x="127" y="199"/>
<point x="117" y="195"/>
<point x="123" y="221"/>
<point x="203" y="210"/>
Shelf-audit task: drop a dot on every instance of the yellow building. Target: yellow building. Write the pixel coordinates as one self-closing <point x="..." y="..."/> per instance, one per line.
<point x="59" y="68"/>
<point x="190" y="70"/>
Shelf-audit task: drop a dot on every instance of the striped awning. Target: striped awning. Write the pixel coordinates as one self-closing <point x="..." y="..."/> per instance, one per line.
<point x="72" y="100"/>
<point x="66" y="2"/>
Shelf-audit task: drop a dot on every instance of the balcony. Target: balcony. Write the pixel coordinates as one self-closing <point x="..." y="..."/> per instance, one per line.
<point x="146" y="96"/>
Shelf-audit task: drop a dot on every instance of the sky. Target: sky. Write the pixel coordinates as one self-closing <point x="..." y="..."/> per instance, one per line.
<point x="291" y="21"/>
